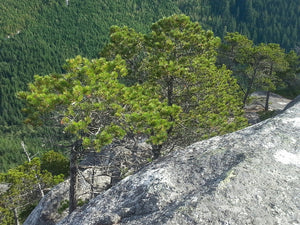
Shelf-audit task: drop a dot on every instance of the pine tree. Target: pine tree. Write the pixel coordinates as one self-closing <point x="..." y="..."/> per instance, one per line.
<point x="257" y="67"/>
<point x="179" y="59"/>
<point x="90" y="104"/>
<point x="25" y="183"/>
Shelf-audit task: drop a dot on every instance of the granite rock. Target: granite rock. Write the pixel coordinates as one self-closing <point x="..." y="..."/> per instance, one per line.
<point x="53" y="207"/>
<point x="251" y="176"/>
<point x="98" y="172"/>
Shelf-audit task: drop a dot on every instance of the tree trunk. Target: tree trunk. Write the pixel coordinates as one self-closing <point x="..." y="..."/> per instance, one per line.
<point x="93" y="175"/>
<point x="156" y="151"/>
<point x="73" y="176"/>
<point x="29" y="160"/>
<point x="267" y="101"/>
<point x="170" y="90"/>
<point x="16" y="216"/>
<point x="246" y="96"/>
<point x="268" y="92"/>
<point x="249" y="87"/>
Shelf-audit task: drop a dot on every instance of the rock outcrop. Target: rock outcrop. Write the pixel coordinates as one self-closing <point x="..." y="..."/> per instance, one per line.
<point x="54" y="207"/>
<point x="257" y="103"/>
<point x="98" y="172"/>
<point x="248" y="177"/>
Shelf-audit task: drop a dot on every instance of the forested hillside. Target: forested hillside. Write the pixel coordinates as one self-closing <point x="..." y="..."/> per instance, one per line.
<point x="37" y="36"/>
<point x="275" y="21"/>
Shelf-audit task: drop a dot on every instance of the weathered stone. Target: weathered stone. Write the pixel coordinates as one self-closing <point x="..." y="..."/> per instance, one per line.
<point x="251" y="176"/>
<point x="4" y="187"/>
<point x="103" y="170"/>
<point x="119" y="160"/>
<point x="257" y="104"/>
<point x="51" y="208"/>
<point x="94" y="176"/>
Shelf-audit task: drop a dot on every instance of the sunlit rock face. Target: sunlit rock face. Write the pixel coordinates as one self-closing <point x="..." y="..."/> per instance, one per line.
<point x="53" y="207"/>
<point x="98" y="172"/>
<point x="248" y="177"/>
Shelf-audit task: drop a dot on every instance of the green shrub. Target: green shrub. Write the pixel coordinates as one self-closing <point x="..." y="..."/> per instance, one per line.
<point x="55" y="162"/>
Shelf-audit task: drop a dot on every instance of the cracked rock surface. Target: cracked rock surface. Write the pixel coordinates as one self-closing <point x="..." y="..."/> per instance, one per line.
<point x="251" y="176"/>
<point x="98" y="172"/>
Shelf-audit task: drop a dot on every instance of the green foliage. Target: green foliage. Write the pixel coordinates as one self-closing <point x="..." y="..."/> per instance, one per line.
<point x="91" y="103"/>
<point x="26" y="184"/>
<point x="60" y="32"/>
<point x="56" y="163"/>
<point x="11" y="152"/>
<point x="182" y="60"/>
<point x="291" y="76"/>
<point x="37" y="139"/>
<point x="264" y="21"/>
<point x="63" y="206"/>
<point x="177" y="59"/>
<point x="6" y="216"/>
<point x="263" y="115"/>
<point x="27" y="210"/>
<point x="37" y="37"/>
<point x="275" y="66"/>
<point x="257" y="67"/>
<point x="81" y="202"/>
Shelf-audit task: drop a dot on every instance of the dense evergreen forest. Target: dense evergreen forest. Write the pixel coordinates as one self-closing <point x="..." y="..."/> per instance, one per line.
<point x="37" y="36"/>
<point x="264" y="21"/>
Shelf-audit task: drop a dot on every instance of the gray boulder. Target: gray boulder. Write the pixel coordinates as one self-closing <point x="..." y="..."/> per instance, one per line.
<point x="54" y="207"/>
<point x="257" y="103"/>
<point x="251" y="176"/>
<point x="98" y="172"/>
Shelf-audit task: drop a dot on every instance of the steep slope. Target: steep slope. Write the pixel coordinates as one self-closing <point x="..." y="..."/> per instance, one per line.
<point x="247" y="177"/>
<point x="37" y="36"/>
<point x="261" y="20"/>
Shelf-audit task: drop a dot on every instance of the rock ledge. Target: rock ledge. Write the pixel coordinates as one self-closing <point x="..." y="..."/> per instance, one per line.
<point x="251" y="176"/>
